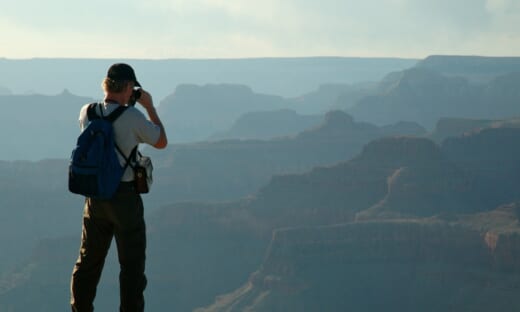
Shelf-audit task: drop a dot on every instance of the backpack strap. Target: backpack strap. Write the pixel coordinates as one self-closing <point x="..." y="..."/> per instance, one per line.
<point x="92" y="114"/>
<point x="133" y="155"/>
<point x="91" y="111"/>
<point x="116" y="113"/>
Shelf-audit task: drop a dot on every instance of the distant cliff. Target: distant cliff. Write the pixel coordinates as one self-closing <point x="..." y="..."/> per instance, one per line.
<point x="423" y="95"/>
<point x="475" y="68"/>
<point x="193" y="113"/>
<point x="327" y="97"/>
<point x="268" y="124"/>
<point x="198" y="112"/>
<point x="39" y="127"/>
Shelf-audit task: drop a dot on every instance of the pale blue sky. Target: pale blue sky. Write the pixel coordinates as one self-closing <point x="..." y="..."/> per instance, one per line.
<point x="160" y="29"/>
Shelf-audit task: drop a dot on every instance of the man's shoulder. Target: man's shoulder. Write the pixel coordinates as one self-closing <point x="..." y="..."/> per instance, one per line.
<point x="134" y="113"/>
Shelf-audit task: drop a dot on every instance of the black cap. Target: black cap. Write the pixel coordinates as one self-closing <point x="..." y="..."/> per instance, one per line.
<point x="121" y="71"/>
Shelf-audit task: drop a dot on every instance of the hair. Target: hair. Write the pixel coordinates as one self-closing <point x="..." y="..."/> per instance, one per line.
<point x="115" y="86"/>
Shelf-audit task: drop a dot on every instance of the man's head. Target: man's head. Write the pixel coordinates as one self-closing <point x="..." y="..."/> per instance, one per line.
<point x="120" y="79"/>
<point x="122" y="72"/>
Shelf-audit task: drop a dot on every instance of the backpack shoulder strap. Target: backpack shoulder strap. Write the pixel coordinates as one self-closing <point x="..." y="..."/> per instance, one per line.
<point x="116" y="113"/>
<point x="91" y="111"/>
<point x="92" y="114"/>
<point x="133" y="154"/>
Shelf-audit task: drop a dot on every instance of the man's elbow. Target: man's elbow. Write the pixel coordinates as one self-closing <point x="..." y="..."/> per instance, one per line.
<point x="162" y="142"/>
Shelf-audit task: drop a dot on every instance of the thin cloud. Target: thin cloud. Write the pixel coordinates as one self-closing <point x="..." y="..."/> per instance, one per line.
<point x="249" y="28"/>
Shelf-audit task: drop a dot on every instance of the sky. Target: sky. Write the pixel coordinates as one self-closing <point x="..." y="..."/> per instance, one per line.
<point x="162" y="29"/>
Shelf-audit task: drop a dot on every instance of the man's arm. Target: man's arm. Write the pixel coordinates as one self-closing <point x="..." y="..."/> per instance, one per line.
<point x="146" y="101"/>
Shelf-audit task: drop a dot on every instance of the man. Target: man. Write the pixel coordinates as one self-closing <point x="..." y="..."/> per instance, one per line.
<point x="121" y="216"/>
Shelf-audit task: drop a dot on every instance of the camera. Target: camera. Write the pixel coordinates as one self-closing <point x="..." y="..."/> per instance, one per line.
<point x="136" y="94"/>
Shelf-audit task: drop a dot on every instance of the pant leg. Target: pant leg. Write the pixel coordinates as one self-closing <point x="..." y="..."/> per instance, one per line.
<point x="130" y="235"/>
<point x="96" y="237"/>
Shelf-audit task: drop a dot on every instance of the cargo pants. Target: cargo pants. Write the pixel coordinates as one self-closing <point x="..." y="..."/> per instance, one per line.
<point x="120" y="217"/>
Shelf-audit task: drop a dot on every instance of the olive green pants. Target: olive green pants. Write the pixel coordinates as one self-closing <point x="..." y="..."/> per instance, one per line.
<point x="122" y="218"/>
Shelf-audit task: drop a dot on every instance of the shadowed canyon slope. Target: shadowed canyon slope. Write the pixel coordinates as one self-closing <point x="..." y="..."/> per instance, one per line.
<point x="230" y="169"/>
<point x="441" y="255"/>
<point x="427" y="265"/>
<point x="204" y="171"/>
<point x="433" y="256"/>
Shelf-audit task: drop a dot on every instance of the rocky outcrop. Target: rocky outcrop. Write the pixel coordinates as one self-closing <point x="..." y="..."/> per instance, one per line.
<point x="268" y="124"/>
<point x="404" y="128"/>
<point x="399" y="151"/>
<point x="416" y="95"/>
<point x="326" y="97"/>
<point x="424" y="265"/>
<point x="421" y="182"/>
<point x="400" y="177"/>
<point x="471" y="173"/>
<point x="424" y="95"/>
<point x="338" y="124"/>
<point x="454" y="127"/>
<point x="492" y="156"/>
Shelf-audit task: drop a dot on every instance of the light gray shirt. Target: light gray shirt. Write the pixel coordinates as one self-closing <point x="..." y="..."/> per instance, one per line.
<point x="130" y="129"/>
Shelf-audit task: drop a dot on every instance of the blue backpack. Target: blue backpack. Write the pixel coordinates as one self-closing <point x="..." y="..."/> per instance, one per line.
<point x="94" y="169"/>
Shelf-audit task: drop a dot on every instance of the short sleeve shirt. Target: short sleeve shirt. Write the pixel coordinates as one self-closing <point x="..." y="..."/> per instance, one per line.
<point x="130" y="129"/>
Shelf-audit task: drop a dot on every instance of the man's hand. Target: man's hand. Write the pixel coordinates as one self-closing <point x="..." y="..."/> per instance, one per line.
<point x="146" y="101"/>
